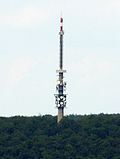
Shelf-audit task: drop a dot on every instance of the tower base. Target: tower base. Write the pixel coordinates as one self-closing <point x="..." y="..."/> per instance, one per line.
<point x="60" y="114"/>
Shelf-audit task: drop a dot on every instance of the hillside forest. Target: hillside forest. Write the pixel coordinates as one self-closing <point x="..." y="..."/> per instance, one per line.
<point x="75" y="137"/>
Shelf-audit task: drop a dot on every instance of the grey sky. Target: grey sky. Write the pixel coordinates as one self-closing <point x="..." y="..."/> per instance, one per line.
<point x="29" y="51"/>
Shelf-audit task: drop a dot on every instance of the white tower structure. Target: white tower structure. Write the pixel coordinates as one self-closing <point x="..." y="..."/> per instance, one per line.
<point x="60" y="96"/>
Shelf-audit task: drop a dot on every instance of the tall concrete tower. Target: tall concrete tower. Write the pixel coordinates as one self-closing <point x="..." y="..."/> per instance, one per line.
<point x="60" y="96"/>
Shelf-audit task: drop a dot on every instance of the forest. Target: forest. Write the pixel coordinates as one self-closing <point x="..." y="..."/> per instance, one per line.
<point x="75" y="137"/>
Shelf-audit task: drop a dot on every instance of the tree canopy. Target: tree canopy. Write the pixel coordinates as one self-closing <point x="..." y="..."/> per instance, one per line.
<point x="75" y="137"/>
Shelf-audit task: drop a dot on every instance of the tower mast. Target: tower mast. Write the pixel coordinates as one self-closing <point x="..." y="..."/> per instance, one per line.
<point x="60" y="96"/>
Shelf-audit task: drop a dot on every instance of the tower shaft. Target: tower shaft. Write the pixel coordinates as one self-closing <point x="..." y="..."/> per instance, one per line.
<point x="60" y="114"/>
<point x="61" y="51"/>
<point x="61" y="85"/>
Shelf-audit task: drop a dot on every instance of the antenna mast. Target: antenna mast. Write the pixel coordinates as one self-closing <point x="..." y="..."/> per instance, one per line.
<point x="60" y="97"/>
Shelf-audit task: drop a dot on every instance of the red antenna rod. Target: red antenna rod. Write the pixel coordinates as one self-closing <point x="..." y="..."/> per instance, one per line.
<point x="61" y="24"/>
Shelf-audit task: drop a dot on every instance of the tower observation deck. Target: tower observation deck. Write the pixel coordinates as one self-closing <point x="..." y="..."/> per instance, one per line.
<point x="60" y="96"/>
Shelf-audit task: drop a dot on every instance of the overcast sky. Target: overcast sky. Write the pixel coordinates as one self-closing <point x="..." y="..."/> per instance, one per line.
<point x="29" y="52"/>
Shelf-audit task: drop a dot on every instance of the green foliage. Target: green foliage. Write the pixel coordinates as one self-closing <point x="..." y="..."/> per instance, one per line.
<point x="75" y="137"/>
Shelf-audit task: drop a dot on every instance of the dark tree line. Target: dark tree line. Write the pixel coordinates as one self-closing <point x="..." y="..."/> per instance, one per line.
<point x="75" y="137"/>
